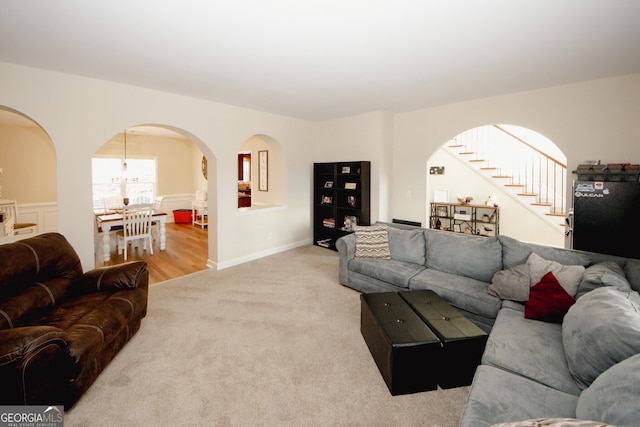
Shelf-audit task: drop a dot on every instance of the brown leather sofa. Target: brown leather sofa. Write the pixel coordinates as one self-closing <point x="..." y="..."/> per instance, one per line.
<point x="60" y="327"/>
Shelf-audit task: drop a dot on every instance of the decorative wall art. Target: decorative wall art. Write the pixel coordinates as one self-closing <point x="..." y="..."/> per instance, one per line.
<point x="263" y="170"/>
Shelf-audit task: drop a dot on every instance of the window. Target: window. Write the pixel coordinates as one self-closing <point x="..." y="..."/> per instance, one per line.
<point x="138" y="182"/>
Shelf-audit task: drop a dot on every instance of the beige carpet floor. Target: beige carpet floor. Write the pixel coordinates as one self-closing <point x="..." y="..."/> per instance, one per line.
<point x="273" y="342"/>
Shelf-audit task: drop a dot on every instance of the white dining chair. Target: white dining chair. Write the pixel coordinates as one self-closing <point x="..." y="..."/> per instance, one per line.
<point x="22" y="227"/>
<point x="136" y="227"/>
<point x="113" y="204"/>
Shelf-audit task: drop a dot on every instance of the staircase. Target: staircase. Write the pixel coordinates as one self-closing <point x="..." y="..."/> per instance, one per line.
<point x="525" y="172"/>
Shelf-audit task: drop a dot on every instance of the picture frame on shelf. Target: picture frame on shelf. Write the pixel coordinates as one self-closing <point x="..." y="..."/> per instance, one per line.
<point x="326" y="200"/>
<point x="346" y="169"/>
<point x="442" y="211"/>
<point x="328" y="184"/>
<point x="350" y="185"/>
<point x="351" y="201"/>
<point x="441" y="196"/>
<point x="457" y="228"/>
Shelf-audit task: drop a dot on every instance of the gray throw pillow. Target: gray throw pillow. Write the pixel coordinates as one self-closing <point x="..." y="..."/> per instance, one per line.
<point x="614" y="396"/>
<point x="601" y="329"/>
<point x="607" y="273"/>
<point x="632" y="272"/>
<point x="511" y="284"/>
<point x="568" y="276"/>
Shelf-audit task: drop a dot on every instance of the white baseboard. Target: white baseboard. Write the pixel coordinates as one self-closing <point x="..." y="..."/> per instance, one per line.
<point x="257" y="255"/>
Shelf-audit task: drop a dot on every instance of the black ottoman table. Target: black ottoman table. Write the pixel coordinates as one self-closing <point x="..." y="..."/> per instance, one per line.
<point x="406" y="351"/>
<point x="462" y="340"/>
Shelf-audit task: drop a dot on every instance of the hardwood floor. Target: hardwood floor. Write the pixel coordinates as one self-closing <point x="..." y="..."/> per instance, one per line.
<point x="187" y="252"/>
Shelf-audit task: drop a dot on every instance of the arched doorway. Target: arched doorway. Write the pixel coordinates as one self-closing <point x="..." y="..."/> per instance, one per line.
<point x="171" y="165"/>
<point x="28" y="169"/>
<point x="261" y="173"/>
<point x="519" y="169"/>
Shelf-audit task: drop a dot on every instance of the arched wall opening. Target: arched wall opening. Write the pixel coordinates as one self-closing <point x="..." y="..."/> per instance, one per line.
<point x="266" y="181"/>
<point x="28" y="169"/>
<point x="517" y="168"/>
<point x="186" y="171"/>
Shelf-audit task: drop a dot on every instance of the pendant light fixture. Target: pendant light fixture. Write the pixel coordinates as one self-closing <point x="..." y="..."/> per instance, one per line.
<point x="124" y="163"/>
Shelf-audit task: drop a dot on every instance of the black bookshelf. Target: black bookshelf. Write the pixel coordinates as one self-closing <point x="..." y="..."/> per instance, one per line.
<point x="341" y="200"/>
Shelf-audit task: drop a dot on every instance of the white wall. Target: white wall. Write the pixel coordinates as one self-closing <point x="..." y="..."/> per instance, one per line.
<point x="592" y="120"/>
<point x="80" y="114"/>
<point x="359" y="138"/>
<point x="27" y="157"/>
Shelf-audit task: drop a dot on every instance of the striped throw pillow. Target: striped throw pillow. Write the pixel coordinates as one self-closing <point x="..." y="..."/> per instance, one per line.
<point x="372" y="242"/>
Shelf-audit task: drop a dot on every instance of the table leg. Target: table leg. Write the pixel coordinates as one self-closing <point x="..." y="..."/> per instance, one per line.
<point x="106" y="242"/>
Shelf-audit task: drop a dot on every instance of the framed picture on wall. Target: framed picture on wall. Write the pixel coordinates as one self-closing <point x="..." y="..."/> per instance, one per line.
<point x="263" y="170"/>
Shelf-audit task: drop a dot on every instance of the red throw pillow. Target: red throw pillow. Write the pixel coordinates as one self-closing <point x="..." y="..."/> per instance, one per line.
<point x="548" y="301"/>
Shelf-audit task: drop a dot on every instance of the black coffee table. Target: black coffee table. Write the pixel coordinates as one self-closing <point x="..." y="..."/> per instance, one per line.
<point x="419" y="341"/>
<point x="462" y="340"/>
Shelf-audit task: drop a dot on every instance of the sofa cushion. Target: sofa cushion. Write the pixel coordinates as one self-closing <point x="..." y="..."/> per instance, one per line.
<point x="548" y="301"/>
<point x="606" y="273"/>
<point x="407" y="245"/>
<point x="38" y="258"/>
<point x="568" y="276"/>
<point x="32" y="302"/>
<point x="601" y="329"/>
<point x="614" y="396"/>
<point x="632" y="272"/>
<point x="395" y="272"/>
<point x="467" y="294"/>
<point x="372" y="242"/>
<point x="511" y="284"/>
<point x="470" y="256"/>
<point x="499" y="396"/>
<point x="531" y="349"/>
<point x="515" y="252"/>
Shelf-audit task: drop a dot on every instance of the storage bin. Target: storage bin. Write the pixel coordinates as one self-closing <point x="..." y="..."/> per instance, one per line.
<point x="182" y="216"/>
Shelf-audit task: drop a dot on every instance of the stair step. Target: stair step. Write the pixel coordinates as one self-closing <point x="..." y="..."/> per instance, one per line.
<point x="467" y="152"/>
<point x="556" y="214"/>
<point x="501" y="176"/>
<point x="456" y="146"/>
<point x="541" y="204"/>
<point x="528" y="195"/>
<point x="514" y="185"/>
<point x="477" y="160"/>
<point x="488" y="168"/>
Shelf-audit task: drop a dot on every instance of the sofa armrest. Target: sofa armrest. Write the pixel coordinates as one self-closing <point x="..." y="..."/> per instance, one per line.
<point x="34" y="364"/>
<point x="114" y="278"/>
<point x="346" y="246"/>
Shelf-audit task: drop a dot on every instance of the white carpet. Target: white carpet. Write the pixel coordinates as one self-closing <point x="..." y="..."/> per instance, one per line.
<point x="273" y="342"/>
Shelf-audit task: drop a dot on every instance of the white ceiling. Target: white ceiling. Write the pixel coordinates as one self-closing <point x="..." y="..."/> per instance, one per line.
<point x="322" y="59"/>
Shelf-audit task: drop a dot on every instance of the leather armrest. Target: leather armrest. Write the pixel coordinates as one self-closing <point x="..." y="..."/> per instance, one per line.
<point x="20" y="343"/>
<point x="34" y="364"/>
<point x="113" y="278"/>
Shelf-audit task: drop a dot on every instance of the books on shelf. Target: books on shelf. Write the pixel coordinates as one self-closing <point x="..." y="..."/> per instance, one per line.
<point x="324" y="243"/>
<point x="329" y="222"/>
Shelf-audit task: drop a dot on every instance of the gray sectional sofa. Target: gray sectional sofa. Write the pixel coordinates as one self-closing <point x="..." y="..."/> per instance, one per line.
<point x="584" y="364"/>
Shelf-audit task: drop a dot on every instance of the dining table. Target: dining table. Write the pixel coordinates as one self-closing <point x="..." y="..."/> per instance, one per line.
<point x="107" y="220"/>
